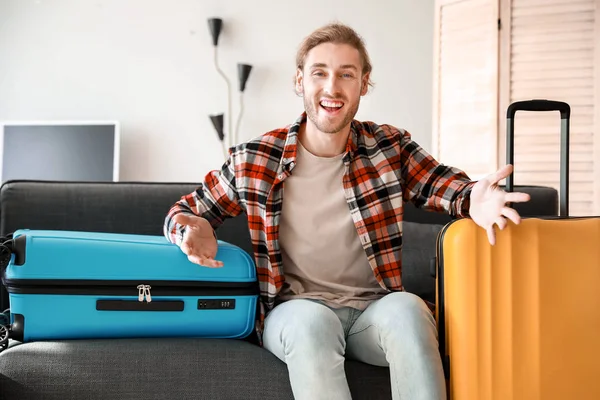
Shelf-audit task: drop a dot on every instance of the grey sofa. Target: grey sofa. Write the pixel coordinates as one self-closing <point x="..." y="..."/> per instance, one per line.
<point x="173" y="368"/>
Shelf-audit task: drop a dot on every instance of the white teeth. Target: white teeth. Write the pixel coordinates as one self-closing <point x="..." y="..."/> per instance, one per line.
<point x="328" y="103"/>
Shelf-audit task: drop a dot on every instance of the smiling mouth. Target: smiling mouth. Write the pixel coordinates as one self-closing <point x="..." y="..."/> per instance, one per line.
<point x="331" y="106"/>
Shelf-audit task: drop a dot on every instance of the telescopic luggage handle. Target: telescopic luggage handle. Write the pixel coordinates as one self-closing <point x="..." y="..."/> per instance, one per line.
<point x="565" y="116"/>
<point x="539" y="105"/>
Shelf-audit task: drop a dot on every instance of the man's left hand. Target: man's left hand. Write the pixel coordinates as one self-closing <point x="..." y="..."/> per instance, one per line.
<point x="489" y="203"/>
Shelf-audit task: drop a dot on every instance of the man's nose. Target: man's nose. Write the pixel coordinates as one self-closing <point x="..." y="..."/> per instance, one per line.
<point x="332" y="85"/>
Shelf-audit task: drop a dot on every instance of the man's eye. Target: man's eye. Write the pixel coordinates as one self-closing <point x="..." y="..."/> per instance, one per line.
<point x="318" y="74"/>
<point x="347" y="75"/>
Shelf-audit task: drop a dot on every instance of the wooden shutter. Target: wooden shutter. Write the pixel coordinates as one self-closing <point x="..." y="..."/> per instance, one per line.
<point x="550" y="50"/>
<point x="466" y="85"/>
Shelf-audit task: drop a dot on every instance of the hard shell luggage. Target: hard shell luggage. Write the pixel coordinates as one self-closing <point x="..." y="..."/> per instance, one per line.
<point x="520" y="319"/>
<point x="76" y="285"/>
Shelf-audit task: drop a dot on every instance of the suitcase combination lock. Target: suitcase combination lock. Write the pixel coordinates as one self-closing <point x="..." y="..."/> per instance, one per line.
<point x="144" y="293"/>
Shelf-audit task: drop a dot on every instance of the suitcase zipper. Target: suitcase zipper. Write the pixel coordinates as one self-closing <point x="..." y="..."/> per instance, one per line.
<point x="128" y="288"/>
<point x="144" y="293"/>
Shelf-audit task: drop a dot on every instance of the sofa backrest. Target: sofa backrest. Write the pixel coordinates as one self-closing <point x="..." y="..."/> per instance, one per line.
<point x="100" y="207"/>
<point x="119" y="207"/>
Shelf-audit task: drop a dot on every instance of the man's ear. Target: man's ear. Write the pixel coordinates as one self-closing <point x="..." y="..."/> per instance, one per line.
<point x="299" y="82"/>
<point x="364" y="88"/>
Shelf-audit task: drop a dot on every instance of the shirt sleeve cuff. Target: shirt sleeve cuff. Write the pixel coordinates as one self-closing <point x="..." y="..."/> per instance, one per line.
<point x="464" y="202"/>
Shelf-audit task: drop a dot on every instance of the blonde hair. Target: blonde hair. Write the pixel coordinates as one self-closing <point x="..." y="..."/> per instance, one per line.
<point x="335" y="33"/>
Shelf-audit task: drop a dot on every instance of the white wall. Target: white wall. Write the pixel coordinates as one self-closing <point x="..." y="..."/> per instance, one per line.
<point x="149" y="64"/>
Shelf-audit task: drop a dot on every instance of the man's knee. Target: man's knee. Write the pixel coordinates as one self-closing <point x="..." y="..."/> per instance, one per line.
<point x="404" y="310"/>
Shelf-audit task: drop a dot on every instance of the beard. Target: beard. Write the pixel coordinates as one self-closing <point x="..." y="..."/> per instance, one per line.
<point x="328" y="125"/>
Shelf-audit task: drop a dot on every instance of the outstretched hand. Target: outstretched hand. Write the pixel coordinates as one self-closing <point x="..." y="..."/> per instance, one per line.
<point x="488" y="203"/>
<point x="199" y="242"/>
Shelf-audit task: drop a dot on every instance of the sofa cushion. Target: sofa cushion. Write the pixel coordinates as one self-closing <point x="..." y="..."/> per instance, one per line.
<point x="148" y="369"/>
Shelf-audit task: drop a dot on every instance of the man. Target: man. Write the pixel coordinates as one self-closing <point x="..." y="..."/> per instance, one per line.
<point x="324" y="199"/>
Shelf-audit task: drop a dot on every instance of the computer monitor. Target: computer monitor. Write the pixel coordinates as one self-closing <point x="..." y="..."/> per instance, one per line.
<point x="60" y="150"/>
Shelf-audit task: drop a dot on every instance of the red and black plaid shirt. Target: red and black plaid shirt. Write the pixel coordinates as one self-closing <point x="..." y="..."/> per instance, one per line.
<point x="384" y="168"/>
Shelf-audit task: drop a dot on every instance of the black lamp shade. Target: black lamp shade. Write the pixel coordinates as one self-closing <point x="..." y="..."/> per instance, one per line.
<point x="243" y="74"/>
<point x="215" y="24"/>
<point x="217" y="121"/>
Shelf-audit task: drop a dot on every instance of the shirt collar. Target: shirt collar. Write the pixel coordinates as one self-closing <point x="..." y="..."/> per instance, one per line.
<point x="290" y="147"/>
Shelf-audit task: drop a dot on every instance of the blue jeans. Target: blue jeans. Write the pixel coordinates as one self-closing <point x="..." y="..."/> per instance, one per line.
<point x="397" y="331"/>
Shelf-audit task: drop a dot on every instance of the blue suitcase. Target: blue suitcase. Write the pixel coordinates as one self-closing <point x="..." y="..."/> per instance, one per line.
<point x="78" y="285"/>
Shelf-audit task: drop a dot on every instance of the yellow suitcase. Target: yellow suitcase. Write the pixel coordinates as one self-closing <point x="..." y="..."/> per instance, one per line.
<point x="521" y="319"/>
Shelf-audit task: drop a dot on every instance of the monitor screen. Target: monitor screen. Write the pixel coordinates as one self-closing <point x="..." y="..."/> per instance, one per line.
<point x="74" y="151"/>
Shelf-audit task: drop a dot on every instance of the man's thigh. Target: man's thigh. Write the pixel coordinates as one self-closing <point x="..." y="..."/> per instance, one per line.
<point x="394" y="316"/>
<point x="299" y="320"/>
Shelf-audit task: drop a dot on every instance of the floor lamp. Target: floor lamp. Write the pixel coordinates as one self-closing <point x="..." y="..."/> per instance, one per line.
<point x="226" y="131"/>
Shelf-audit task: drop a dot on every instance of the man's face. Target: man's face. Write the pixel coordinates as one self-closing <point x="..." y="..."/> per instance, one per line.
<point x="331" y="83"/>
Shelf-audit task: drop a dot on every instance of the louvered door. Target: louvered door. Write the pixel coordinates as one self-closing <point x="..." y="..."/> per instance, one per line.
<point x="465" y="85"/>
<point x="550" y="51"/>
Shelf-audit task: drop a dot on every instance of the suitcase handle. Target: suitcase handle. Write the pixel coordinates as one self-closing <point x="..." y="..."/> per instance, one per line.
<point x="539" y="105"/>
<point x="10" y="246"/>
<point x="565" y="116"/>
<point x="134" y="305"/>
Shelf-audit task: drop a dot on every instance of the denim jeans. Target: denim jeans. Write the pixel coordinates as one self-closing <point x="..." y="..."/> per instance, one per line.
<point x="398" y="331"/>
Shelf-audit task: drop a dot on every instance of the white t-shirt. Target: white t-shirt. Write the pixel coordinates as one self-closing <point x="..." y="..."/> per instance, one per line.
<point x="322" y="254"/>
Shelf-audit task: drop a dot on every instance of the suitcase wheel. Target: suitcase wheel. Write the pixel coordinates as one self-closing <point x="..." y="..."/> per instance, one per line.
<point x="4" y="334"/>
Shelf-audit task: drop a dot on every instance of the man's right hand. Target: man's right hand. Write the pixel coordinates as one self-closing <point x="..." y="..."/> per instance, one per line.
<point x="199" y="242"/>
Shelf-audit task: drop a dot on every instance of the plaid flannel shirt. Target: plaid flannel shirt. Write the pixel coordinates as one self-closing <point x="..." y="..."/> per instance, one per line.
<point x="384" y="168"/>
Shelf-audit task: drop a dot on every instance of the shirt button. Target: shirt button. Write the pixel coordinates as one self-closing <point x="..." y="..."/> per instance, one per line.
<point x="364" y="238"/>
<point x="280" y="176"/>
